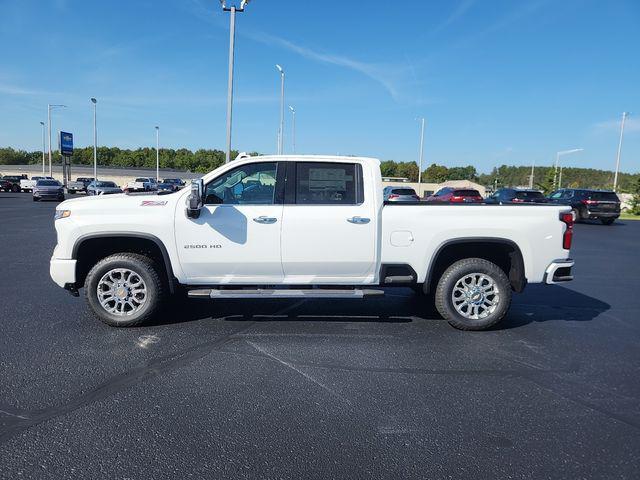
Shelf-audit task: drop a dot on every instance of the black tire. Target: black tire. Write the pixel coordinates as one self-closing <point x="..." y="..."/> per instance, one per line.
<point x="15" y="189"/>
<point x="454" y="274"/>
<point x="148" y="272"/>
<point x="608" y="221"/>
<point x="35" y="199"/>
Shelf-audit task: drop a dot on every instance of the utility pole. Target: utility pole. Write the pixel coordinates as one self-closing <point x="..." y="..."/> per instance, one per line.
<point x="293" y="127"/>
<point x="281" y="127"/>
<point x="95" y="139"/>
<point x="615" y="177"/>
<point x="157" y="153"/>
<point x="420" y="157"/>
<point x="43" y="146"/>
<point x="232" y="39"/>
<point x="49" y="108"/>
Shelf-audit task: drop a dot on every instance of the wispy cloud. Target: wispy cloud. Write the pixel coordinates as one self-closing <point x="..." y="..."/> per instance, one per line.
<point x="631" y="125"/>
<point x="463" y="7"/>
<point x="390" y="76"/>
<point x="8" y="89"/>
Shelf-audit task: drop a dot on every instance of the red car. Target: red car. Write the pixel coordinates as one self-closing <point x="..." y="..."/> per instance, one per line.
<point x="455" y="195"/>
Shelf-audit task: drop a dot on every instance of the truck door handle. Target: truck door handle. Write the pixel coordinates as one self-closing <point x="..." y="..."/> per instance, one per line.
<point x="265" y="219"/>
<point x="358" y="220"/>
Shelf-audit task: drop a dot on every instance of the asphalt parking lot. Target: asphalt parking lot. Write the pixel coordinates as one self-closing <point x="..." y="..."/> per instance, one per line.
<point x="381" y="388"/>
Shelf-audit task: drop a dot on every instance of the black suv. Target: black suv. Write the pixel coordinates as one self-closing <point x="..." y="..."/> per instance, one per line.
<point x="597" y="204"/>
<point x="515" y="195"/>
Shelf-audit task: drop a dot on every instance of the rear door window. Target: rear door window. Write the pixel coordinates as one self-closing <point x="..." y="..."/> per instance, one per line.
<point x="324" y="183"/>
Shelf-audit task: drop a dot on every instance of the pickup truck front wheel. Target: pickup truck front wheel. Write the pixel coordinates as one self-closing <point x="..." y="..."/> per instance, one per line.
<point x="473" y="294"/>
<point x="124" y="290"/>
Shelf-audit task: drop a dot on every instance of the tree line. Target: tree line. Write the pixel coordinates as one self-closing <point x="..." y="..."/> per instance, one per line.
<point x="204" y="160"/>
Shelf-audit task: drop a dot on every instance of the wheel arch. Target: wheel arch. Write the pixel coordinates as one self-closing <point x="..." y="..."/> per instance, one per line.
<point x="502" y="251"/>
<point x="90" y="248"/>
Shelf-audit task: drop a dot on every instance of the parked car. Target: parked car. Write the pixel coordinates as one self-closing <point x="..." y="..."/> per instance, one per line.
<point x="456" y="195"/>
<point x="5" y="185"/>
<point x="14" y="180"/>
<point x="103" y="187"/>
<point x="400" y="194"/>
<point x="603" y="205"/>
<point x="27" y="185"/>
<point x="515" y="195"/>
<point x="306" y="224"/>
<point x="48" y="189"/>
<point x="142" y="184"/>
<point x="80" y="185"/>
<point x="170" y="185"/>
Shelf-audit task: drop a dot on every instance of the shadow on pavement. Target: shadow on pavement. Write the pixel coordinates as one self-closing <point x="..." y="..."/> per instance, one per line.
<point x="539" y="303"/>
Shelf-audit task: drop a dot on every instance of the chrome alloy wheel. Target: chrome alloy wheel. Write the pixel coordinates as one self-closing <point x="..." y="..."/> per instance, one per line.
<point x="122" y="292"/>
<point x="475" y="296"/>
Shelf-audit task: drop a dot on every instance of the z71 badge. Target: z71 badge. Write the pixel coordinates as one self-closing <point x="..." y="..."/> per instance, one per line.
<point x="153" y="203"/>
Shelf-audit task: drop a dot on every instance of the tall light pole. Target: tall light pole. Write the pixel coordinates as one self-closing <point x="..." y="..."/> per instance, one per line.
<point x="49" y="108"/>
<point x="232" y="40"/>
<point x="95" y="139"/>
<point x="157" y="153"/>
<point x="555" y="172"/>
<point x="615" y="177"/>
<point x="281" y="128"/>
<point x="420" y="157"/>
<point x="293" y="127"/>
<point x="43" y="147"/>
<point x="533" y="166"/>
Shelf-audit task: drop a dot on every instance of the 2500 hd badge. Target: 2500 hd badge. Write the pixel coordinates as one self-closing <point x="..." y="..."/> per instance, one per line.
<point x="202" y="246"/>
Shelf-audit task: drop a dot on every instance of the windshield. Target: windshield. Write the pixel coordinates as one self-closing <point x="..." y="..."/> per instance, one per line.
<point x="467" y="193"/>
<point x="604" y="196"/>
<point x="403" y="191"/>
<point x="143" y="180"/>
<point x="528" y="194"/>
<point x="48" y="183"/>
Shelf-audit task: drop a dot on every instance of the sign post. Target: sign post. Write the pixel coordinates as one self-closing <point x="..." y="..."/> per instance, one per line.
<point x="66" y="150"/>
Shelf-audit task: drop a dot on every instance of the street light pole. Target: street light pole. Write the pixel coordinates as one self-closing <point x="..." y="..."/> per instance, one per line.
<point x="232" y="40"/>
<point x="281" y="128"/>
<point x="49" y="107"/>
<point x="43" y="146"/>
<point x="555" y="172"/>
<point x="615" y="177"/>
<point x="95" y="139"/>
<point x="293" y="127"/>
<point x="533" y="166"/>
<point x="420" y="157"/>
<point x="157" y="153"/>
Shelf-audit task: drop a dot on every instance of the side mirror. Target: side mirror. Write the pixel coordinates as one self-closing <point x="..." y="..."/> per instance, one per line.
<point x="195" y="200"/>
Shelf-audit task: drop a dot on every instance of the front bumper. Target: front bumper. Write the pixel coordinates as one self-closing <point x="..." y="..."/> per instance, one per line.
<point x="63" y="271"/>
<point x="559" y="271"/>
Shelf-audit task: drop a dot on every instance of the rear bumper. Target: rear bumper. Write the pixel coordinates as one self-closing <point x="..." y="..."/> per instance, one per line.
<point x="559" y="271"/>
<point x="612" y="214"/>
<point x="63" y="271"/>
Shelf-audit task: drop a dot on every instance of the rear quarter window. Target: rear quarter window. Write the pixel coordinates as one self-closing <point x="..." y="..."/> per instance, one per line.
<point x="467" y="193"/>
<point x="604" y="196"/>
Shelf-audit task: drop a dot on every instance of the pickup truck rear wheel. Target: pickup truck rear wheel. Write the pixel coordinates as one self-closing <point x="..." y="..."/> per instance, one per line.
<point x="473" y="294"/>
<point x="124" y="290"/>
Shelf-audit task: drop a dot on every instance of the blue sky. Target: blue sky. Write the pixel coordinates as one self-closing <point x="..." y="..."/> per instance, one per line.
<point x="498" y="81"/>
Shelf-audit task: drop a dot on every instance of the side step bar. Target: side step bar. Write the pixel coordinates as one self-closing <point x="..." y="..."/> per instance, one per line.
<point x="277" y="293"/>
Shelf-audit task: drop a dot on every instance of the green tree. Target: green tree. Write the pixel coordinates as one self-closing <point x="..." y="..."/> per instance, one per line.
<point x="436" y="174"/>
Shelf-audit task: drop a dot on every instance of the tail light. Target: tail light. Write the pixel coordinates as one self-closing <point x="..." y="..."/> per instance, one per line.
<point x="456" y="198"/>
<point x="568" y="219"/>
<point x="393" y="195"/>
<point x="590" y="202"/>
<point x="517" y="200"/>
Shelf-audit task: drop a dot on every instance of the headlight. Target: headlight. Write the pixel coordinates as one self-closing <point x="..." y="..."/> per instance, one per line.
<point x="62" y="214"/>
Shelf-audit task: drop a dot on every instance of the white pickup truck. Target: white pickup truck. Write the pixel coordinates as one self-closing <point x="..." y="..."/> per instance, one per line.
<point x="142" y="184"/>
<point x="27" y="185"/>
<point x="303" y="227"/>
